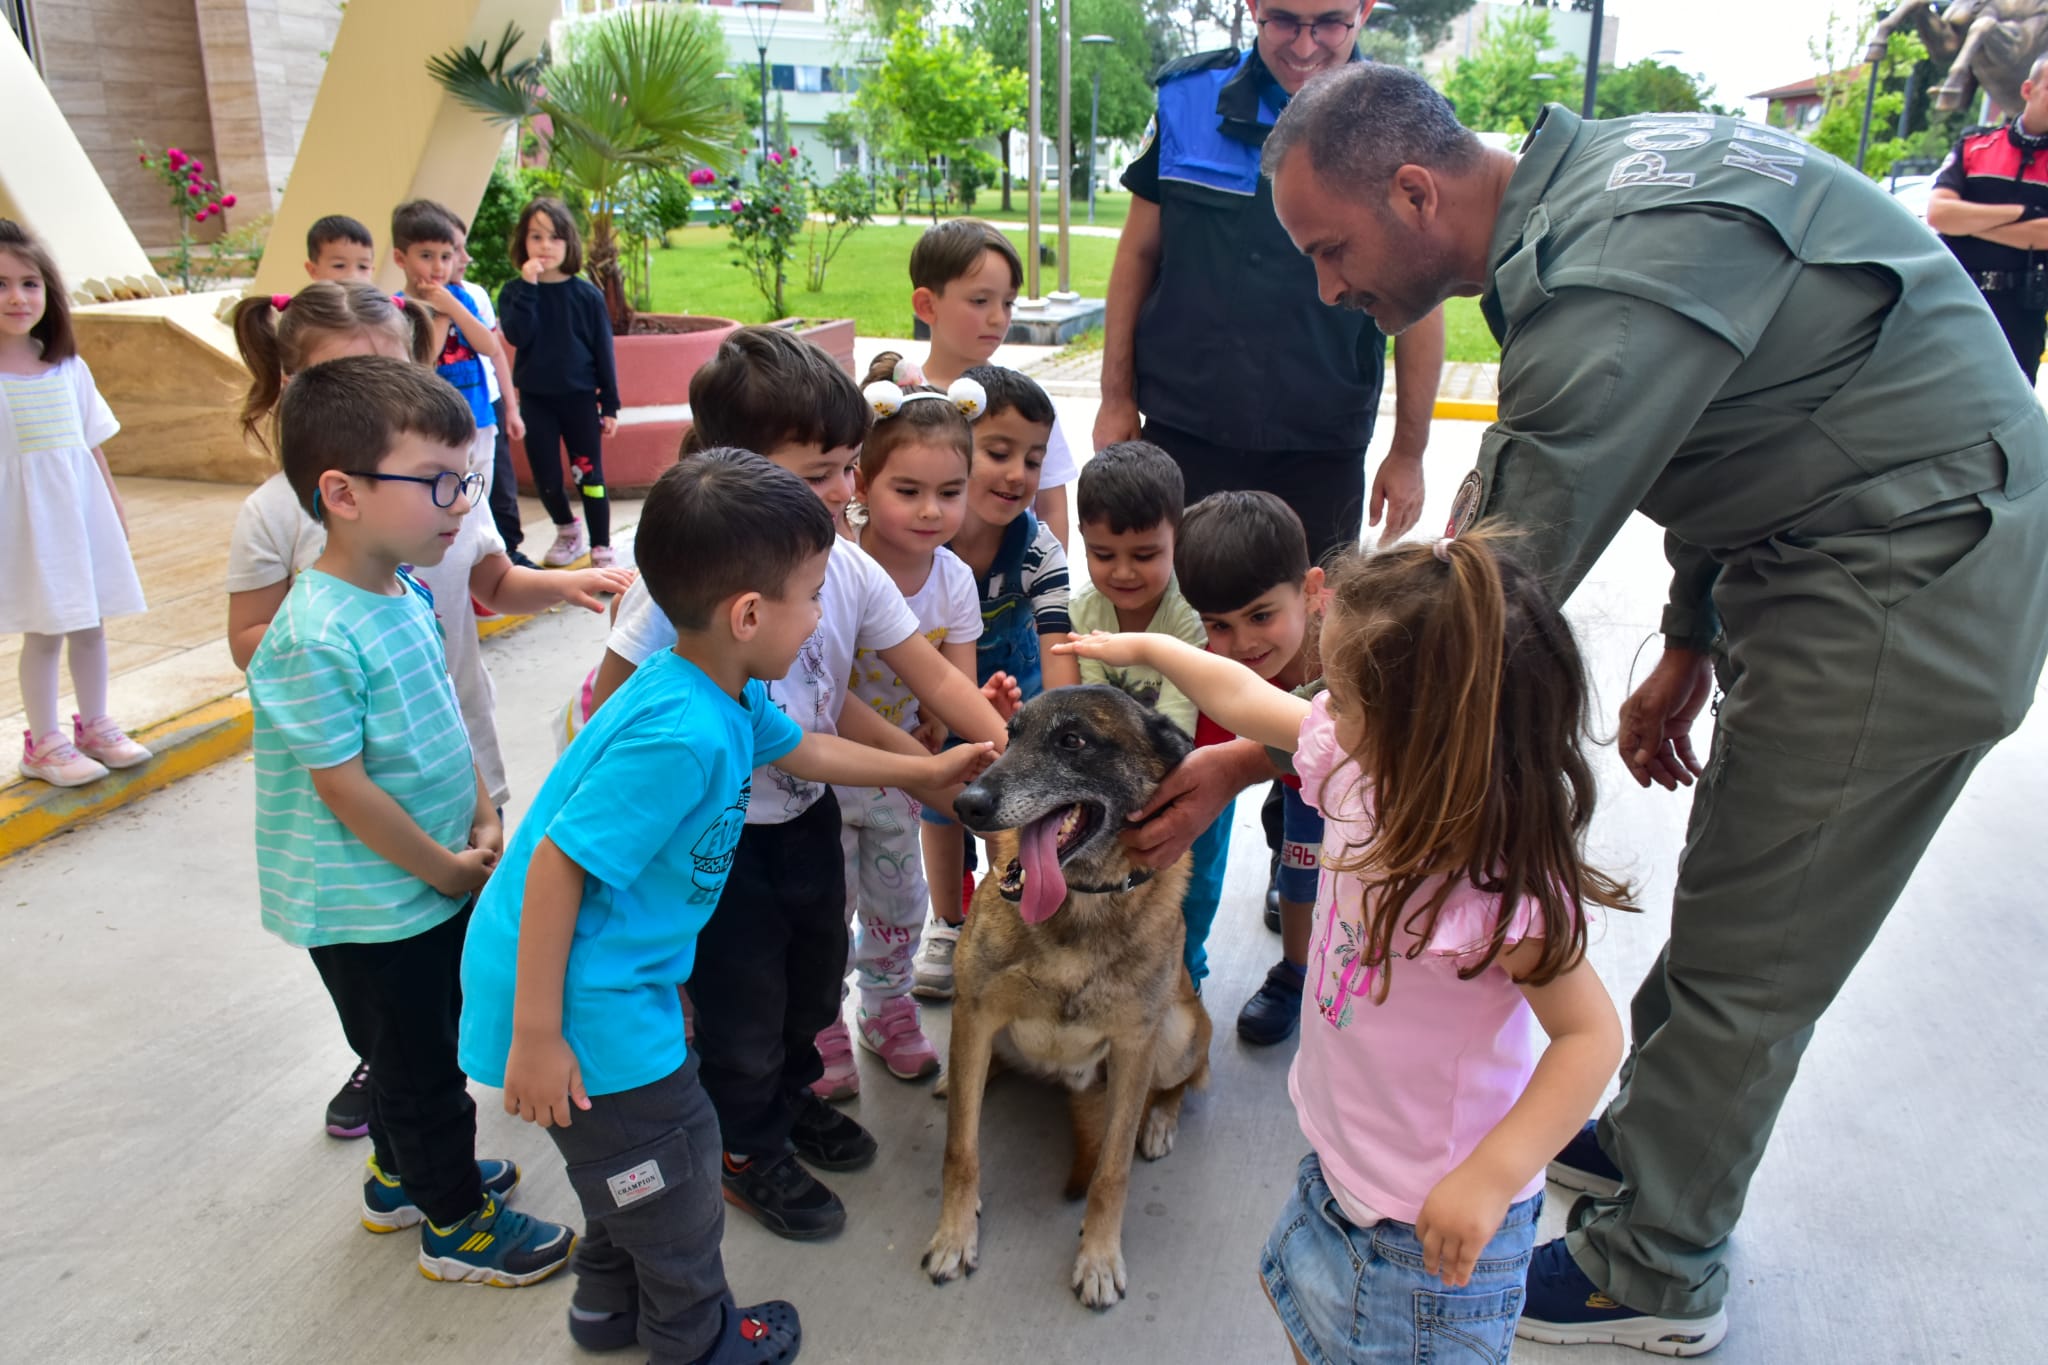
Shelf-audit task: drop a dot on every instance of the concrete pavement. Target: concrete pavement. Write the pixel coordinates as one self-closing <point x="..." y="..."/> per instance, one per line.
<point x="172" y="1198"/>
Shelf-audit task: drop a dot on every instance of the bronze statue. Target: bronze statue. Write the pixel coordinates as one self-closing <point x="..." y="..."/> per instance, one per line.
<point x="1987" y="44"/>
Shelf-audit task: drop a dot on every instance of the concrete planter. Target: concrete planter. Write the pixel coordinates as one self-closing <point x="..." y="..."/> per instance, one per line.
<point x="655" y="363"/>
<point x="833" y="336"/>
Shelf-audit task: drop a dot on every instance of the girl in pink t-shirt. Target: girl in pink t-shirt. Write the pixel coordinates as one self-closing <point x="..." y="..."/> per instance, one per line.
<point x="1447" y="761"/>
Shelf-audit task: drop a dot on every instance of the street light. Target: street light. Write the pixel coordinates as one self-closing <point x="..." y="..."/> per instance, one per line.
<point x="1593" y="57"/>
<point x="1872" y="55"/>
<point x="761" y="16"/>
<point x="1094" y="112"/>
<point x="1065" y="292"/>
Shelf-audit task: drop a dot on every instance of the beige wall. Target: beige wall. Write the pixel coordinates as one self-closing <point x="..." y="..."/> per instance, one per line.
<point x="264" y="60"/>
<point x="122" y="70"/>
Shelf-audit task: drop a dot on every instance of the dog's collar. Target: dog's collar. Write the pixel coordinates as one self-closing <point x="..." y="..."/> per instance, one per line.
<point x="1136" y="879"/>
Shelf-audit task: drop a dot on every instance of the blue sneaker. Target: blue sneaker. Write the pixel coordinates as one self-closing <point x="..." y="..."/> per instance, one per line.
<point x="1565" y="1308"/>
<point x="388" y="1208"/>
<point x="1584" y="1167"/>
<point x="495" y="1246"/>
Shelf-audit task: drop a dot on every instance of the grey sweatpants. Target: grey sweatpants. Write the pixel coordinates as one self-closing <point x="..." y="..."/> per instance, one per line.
<point x="644" y="1165"/>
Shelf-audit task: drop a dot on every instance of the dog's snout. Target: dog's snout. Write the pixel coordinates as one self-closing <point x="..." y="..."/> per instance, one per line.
<point x="976" y="806"/>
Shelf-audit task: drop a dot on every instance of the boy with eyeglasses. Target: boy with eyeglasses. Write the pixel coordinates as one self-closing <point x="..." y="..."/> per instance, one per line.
<point x="374" y="829"/>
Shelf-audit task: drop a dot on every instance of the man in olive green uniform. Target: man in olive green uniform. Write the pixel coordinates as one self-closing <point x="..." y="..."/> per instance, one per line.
<point x="1719" y="326"/>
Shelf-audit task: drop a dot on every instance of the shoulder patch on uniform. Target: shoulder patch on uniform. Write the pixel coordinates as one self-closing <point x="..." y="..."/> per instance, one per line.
<point x="1198" y="61"/>
<point x="1151" y="135"/>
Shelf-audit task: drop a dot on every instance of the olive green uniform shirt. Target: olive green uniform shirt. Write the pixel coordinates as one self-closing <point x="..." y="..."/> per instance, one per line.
<point x="1718" y="325"/>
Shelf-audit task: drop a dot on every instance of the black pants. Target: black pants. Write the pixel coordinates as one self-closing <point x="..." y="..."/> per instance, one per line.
<point x="505" y="487"/>
<point x="555" y="421"/>
<point x="400" y="1004"/>
<point x="770" y="965"/>
<point x="644" y="1165"/>
<point x="2026" y="330"/>
<point x="1326" y="488"/>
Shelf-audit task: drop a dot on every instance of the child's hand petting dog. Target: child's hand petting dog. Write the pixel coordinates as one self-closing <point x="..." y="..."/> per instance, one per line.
<point x="1003" y="693"/>
<point x="931" y="732"/>
<point x="1118" y="651"/>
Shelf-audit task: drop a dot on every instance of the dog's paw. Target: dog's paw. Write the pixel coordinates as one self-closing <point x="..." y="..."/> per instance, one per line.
<point x="952" y="1254"/>
<point x="1099" y="1277"/>
<point x="1155" y="1138"/>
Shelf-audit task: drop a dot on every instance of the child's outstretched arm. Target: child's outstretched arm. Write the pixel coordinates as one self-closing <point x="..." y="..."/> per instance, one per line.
<point x="1222" y="689"/>
<point x="543" y="1083"/>
<point x="828" y="758"/>
<point x="509" y="590"/>
<point x="943" y="691"/>
<point x="1465" y="1209"/>
<point x="249" y="616"/>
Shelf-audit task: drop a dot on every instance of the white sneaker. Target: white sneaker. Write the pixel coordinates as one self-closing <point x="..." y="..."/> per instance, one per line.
<point x="103" y="739"/>
<point x="571" y="544"/>
<point x="56" y="760"/>
<point x="934" y="967"/>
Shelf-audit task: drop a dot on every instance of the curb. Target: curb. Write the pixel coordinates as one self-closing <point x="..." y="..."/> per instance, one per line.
<point x="31" y="812"/>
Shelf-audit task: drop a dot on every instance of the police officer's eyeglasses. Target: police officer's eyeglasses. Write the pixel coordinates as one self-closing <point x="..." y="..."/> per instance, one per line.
<point x="1326" y="32"/>
<point x="445" y="486"/>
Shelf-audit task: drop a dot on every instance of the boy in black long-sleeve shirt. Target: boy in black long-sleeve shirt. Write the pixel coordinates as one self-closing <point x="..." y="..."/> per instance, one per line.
<point x="563" y="370"/>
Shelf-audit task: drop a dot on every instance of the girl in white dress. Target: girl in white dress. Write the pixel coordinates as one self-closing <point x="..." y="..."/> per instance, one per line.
<point x="63" y="536"/>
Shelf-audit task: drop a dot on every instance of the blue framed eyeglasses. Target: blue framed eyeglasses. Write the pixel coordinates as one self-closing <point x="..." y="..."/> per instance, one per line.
<point x="445" y="487"/>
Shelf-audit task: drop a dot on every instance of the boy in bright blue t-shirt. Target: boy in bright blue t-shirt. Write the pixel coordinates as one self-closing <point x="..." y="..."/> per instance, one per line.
<point x="582" y="941"/>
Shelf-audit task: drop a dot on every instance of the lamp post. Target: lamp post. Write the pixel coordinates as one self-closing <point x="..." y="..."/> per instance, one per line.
<point x="761" y="16"/>
<point x="1593" y="57"/>
<point x="1872" y="55"/>
<point x="1033" y="65"/>
<point x="1065" y="293"/>
<point x="1094" y="114"/>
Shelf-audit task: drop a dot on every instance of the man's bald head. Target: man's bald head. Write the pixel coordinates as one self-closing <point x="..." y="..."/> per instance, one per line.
<point x="1365" y="121"/>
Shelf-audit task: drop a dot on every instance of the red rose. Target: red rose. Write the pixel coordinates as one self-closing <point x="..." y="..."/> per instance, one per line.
<point x="227" y="201"/>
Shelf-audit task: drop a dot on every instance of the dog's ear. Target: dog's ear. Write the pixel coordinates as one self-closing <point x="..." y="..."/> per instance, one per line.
<point x="1168" y="740"/>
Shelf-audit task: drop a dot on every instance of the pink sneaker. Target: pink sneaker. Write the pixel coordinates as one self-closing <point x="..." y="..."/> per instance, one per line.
<point x="100" y="738"/>
<point x="571" y="544"/>
<point x="603" y="557"/>
<point x="841" y="1080"/>
<point x="56" y="760"/>
<point x="896" y="1036"/>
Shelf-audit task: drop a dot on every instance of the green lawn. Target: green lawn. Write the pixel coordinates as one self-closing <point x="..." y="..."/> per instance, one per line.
<point x="869" y="282"/>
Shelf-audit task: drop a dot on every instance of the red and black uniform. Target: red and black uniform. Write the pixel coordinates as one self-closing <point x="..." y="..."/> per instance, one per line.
<point x="2005" y="166"/>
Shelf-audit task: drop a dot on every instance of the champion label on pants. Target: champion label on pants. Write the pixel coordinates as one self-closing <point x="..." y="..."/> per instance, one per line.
<point x="637" y="1183"/>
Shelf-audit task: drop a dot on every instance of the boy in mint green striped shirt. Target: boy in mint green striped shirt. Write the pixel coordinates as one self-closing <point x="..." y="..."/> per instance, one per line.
<point x="373" y="828"/>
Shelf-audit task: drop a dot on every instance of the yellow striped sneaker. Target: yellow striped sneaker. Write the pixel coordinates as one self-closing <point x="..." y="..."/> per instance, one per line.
<point x="495" y="1246"/>
<point x="388" y="1208"/>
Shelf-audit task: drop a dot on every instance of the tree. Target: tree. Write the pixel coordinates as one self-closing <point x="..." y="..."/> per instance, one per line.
<point x="941" y="96"/>
<point x="1497" y="89"/>
<point x="998" y="28"/>
<point x="635" y="91"/>
<point x="1648" y="87"/>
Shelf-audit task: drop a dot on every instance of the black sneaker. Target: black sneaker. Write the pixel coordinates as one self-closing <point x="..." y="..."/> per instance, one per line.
<point x="787" y="1199"/>
<point x="1274" y="1011"/>
<point x="829" y="1139"/>
<point x="1583" y="1166"/>
<point x="1273" y="896"/>
<point x="519" y="560"/>
<point x="348" y="1113"/>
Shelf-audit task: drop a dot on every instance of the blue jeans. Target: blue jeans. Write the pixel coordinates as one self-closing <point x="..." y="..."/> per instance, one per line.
<point x="1208" y="860"/>
<point x="1301" y="848"/>
<point x="1359" y="1296"/>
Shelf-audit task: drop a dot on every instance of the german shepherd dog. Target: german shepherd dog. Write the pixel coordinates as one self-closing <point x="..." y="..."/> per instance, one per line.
<point x="1070" y="967"/>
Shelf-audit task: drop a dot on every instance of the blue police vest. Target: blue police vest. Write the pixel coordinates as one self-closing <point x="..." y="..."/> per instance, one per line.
<point x="1233" y="345"/>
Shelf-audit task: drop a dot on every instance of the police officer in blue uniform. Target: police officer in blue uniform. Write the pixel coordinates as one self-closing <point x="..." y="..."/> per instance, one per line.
<point x="1213" y="329"/>
<point x="1214" y="334"/>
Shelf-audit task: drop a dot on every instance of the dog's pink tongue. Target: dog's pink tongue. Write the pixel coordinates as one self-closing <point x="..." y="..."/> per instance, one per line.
<point x="1045" y="889"/>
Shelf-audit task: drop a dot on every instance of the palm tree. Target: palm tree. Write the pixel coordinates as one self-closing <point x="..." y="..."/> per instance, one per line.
<point x="636" y="92"/>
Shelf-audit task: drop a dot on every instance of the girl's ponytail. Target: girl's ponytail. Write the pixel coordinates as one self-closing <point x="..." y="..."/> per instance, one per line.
<point x="422" y="324"/>
<point x="256" y="339"/>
